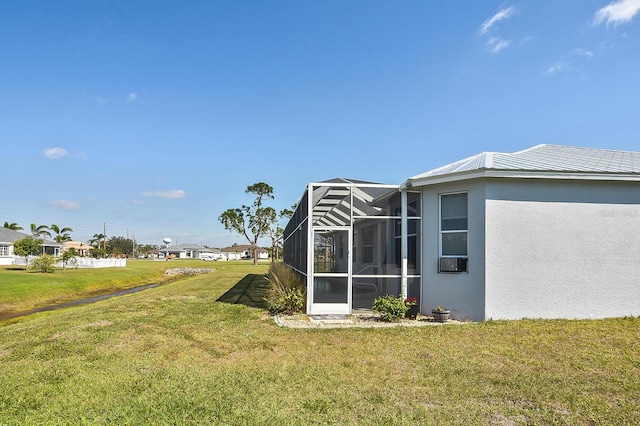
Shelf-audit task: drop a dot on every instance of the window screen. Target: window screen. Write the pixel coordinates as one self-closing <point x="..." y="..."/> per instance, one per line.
<point x="453" y="225"/>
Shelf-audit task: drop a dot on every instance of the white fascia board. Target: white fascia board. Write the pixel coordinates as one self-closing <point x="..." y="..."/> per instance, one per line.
<point x="349" y="184"/>
<point x="522" y="174"/>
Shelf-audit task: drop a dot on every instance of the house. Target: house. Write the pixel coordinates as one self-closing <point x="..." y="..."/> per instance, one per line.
<point x="8" y="236"/>
<point x="82" y="249"/>
<point x="548" y="232"/>
<point x="242" y="251"/>
<point x="210" y="254"/>
<point x="189" y="251"/>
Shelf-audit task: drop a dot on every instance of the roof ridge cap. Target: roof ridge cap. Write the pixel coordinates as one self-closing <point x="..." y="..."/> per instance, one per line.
<point x="487" y="161"/>
<point x="582" y="148"/>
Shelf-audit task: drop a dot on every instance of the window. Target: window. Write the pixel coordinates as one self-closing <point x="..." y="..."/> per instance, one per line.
<point x="4" y="250"/>
<point x="453" y="225"/>
<point x="367" y="244"/>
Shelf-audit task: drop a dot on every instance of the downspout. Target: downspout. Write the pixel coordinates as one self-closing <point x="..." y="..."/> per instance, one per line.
<point x="310" y="245"/>
<point x="403" y="238"/>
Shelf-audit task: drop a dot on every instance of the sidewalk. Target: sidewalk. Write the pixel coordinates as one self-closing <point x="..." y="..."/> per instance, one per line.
<point x="363" y="320"/>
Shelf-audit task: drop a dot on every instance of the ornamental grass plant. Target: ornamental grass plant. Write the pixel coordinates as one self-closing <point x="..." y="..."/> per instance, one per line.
<point x="286" y="290"/>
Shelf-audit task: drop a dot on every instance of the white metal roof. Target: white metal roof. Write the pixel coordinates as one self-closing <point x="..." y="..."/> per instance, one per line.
<point x="543" y="160"/>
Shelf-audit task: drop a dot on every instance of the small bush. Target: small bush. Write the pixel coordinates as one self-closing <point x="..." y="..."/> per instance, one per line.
<point x="44" y="264"/>
<point x="69" y="258"/>
<point x="286" y="291"/>
<point x="390" y="308"/>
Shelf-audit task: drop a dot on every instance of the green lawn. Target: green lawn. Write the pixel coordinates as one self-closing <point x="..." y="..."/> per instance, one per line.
<point x="199" y="351"/>
<point x="22" y="290"/>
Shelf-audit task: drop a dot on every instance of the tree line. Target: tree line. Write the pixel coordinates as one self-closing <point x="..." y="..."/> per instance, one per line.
<point x="100" y="245"/>
<point x="113" y="247"/>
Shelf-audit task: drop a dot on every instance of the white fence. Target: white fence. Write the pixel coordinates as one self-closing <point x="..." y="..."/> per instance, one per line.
<point x="89" y="262"/>
<point x="80" y="262"/>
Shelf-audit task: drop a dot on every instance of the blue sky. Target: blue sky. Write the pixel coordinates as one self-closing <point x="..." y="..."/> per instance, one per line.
<point x="153" y="117"/>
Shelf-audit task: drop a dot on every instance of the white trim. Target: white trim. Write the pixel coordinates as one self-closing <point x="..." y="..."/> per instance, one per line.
<point x="310" y="244"/>
<point x="359" y="184"/>
<point x="521" y="174"/>
<point x="404" y="268"/>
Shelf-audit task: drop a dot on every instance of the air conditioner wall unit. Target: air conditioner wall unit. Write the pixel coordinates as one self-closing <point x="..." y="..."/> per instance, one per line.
<point x="453" y="264"/>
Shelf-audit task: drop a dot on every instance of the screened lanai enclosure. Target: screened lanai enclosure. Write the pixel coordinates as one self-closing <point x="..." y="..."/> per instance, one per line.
<point x="353" y="241"/>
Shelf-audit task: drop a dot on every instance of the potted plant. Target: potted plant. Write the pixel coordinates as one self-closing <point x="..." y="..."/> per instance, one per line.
<point x="412" y="307"/>
<point x="440" y="314"/>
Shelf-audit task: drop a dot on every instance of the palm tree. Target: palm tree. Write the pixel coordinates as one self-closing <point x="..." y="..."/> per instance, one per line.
<point x="40" y="231"/>
<point x="62" y="235"/>
<point x="97" y="238"/>
<point x="95" y="242"/>
<point x="13" y="226"/>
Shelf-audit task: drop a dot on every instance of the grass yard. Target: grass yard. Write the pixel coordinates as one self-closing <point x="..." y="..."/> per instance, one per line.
<point x="22" y="290"/>
<point x="198" y="351"/>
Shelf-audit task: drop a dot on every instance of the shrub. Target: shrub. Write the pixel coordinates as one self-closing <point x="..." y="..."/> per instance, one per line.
<point x="44" y="263"/>
<point x="27" y="246"/>
<point x="390" y="308"/>
<point x="286" y="290"/>
<point x="69" y="258"/>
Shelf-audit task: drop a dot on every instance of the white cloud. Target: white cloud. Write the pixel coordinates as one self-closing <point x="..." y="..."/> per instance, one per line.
<point x="617" y="12"/>
<point x="100" y="100"/>
<point x="65" y="205"/>
<point x="502" y="14"/>
<point x="174" y="193"/>
<point x="583" y="52"/>
<point x="557" y="67"/>
<point x="132" y="97"/>
<point x="55" y="153"/>
<point x="496" y="44"/>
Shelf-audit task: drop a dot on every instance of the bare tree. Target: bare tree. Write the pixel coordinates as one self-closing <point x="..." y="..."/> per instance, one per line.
<point x="252" y="221"/>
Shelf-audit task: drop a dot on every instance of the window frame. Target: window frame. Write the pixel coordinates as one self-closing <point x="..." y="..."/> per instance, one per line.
<point x="413" y="226"/>
<point x="442" y="232"/>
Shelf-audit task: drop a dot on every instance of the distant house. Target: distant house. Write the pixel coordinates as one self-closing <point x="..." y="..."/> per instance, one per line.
<point x="190" y="251"/>
<point x="82" y="249"/>
<point x="8" y="236"/>
<point x="243" y="251"/>
<point x="210" y="254"/>
<point x="548" y="232"/>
